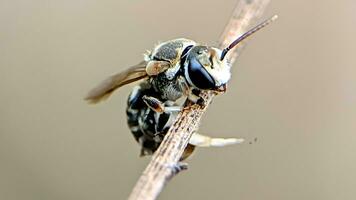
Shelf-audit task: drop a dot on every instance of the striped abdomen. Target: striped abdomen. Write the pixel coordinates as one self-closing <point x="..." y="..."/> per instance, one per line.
<point x="147" y="126"/>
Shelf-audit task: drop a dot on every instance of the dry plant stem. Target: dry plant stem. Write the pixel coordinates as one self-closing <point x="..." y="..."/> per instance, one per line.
<point x="165" y="162"/>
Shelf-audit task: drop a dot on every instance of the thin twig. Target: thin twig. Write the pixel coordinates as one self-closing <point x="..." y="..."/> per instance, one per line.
<point x="165" y="162"/>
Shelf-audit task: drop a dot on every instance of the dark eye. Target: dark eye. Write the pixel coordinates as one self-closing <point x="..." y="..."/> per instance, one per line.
<point x="198" y="75"/>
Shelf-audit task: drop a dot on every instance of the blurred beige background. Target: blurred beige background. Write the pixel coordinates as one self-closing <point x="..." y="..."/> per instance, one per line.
<point x="293" y="88"/>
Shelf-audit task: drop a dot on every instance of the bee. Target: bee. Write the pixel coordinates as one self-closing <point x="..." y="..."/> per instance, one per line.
<point x="175" y="69"/>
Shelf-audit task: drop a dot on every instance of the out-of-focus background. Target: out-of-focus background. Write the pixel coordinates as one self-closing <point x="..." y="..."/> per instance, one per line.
<point x="292" y="97"/>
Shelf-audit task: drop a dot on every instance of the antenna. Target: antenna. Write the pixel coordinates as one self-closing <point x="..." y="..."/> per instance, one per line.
<point x="246" y="35"/>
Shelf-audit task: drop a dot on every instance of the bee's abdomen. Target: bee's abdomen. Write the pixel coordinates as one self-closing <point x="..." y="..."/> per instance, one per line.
<point x="147" y="126"/>
<point x="134" y="107"/>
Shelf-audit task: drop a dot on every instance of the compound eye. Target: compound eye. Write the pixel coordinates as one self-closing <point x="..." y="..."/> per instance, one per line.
<point x="199" y="76"/>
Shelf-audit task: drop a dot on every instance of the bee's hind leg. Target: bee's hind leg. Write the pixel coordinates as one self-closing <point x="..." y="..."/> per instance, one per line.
<point x="158" y="106"/>
<point x="206" y="141"/>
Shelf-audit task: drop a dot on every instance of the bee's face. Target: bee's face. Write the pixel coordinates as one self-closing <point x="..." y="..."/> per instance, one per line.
<point x="204" y="69"/>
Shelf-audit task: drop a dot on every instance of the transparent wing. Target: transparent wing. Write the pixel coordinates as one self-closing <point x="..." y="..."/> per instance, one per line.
<point x="105" y="88"/>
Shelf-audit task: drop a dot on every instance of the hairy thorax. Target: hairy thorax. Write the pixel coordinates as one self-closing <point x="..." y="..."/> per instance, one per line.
<point x="168" y="88"/>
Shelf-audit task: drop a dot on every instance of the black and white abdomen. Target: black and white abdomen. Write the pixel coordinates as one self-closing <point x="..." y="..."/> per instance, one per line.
<point x="147" y="126"/>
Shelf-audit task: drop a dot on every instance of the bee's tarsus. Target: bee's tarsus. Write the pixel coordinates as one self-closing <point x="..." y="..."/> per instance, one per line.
<point x="178" y="167"/>
<point x="201" y="102"/>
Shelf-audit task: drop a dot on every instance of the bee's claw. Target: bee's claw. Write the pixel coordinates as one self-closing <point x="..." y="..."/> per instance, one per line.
<point x="178" y="167"/>
<point x="201" y="102"/>
<point x="196" y="101"/>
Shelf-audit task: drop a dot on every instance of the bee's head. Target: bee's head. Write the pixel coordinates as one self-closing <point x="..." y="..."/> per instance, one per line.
<point x="203" y="68"/>
<point x="206" y="68"/>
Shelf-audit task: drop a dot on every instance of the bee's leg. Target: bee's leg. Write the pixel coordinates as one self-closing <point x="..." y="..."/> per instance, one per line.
<point x="206" y="141"/>
<point x="176" y="168"/>
<point x="194" y="97"/>
<point x="192" y="94"/>
<point x="157" y="106"/>
<point x="198" y="99"/>
<point x="155" y="67"/>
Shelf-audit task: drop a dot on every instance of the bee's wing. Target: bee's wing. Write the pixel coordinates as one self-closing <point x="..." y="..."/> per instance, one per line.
<point x="105" y="88"/>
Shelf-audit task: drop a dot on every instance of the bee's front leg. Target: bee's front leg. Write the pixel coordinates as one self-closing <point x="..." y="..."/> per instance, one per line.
<point x="158" y="106"/>
<point x="191" y="94"/>
<point x="196" y="98"/>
